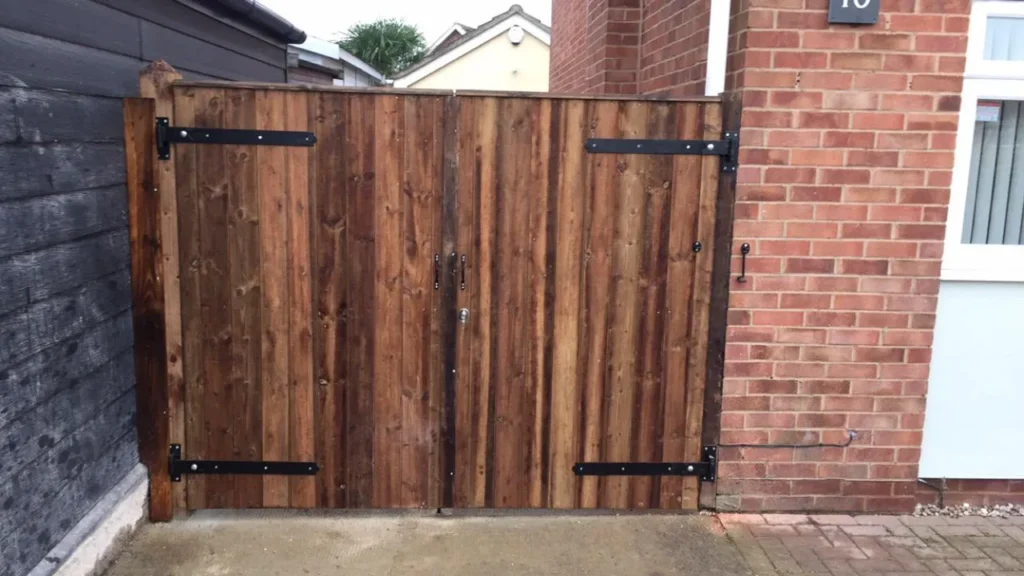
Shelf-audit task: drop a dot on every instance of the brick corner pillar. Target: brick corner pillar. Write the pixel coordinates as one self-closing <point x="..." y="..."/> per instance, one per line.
<point x="847" y="152"/>
<point x="595" y="46"/>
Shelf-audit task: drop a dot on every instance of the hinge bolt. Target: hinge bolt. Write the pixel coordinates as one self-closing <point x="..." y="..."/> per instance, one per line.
<point x="184" y="133"/>
<point x="194" y="467"/>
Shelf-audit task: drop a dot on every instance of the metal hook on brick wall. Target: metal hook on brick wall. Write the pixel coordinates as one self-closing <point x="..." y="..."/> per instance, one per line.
<point x="744" y="249"/>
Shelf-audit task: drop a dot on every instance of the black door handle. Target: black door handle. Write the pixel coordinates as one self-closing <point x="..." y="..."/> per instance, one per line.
<point x="462" y="284"/>
<point x="744" y="249"/>
<point x="437" y="271"/>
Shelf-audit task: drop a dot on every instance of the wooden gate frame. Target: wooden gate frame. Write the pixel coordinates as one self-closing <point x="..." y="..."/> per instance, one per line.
<point x="156" y="310"/>
<point x="721" y="282"/>
<point x="156" y="297"/>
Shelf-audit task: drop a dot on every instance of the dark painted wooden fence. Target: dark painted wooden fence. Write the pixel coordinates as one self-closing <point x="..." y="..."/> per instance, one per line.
<point x="312" y="297"/>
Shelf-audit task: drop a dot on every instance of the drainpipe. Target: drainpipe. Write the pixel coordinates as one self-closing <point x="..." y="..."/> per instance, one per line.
<point x="718" y="47"/>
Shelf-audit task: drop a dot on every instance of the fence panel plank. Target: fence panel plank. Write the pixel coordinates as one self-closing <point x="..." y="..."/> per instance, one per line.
<point x="329" y="228"/>
<point x="421" y="187"/>
<point x="517" y="122"/>
<point x="657" y="193"/>
<point x="537" y="377"/>
<point x="478" y="118"/>
<point x="596" y="284"/>
<point x="387" y="361"/>
<point x="216" y="301"/>
<point x="361" y="319"/>
<point x="300" y="333"/>
<point x="627" y="223"/>
<point x="192" y="277"/>
<point x="275" y="309"/>
<point x="679" y="289"/>
<point x="242" y="393"/>
<point x="569" y="181"/>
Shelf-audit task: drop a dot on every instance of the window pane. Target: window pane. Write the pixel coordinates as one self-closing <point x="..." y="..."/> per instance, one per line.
<point x="1004" y="38"/>
<point x="995" y="190"/>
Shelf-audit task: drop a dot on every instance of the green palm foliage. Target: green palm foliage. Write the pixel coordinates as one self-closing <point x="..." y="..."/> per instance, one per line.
<point x="389" y="45"/>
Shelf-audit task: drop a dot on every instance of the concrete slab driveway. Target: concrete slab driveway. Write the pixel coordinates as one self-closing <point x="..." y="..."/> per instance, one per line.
<point x="289" y="544"/>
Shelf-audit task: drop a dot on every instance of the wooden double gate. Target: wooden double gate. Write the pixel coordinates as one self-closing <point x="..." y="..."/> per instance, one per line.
<point x="447" y="301"/>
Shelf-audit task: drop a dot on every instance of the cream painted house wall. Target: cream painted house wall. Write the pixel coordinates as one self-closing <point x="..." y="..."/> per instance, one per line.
<point x="496" y="65"/>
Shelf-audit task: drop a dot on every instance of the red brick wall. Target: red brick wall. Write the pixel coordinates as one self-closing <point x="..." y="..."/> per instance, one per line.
<point x="629" y="46"/>
<point x="846" y="155"/>
<point x="974" y="492"/>
<point x="569" y="50"/>
<point x="674" y="47"/>
<point x="595" y="46"/>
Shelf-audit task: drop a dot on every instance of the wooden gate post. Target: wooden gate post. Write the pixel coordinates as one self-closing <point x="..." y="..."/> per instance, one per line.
<point x="152" y="201"/>
<point x="720" y="284"/>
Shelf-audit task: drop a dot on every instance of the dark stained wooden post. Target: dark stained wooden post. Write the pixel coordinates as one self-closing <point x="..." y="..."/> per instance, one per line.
<point x="155" y="296"/>
<point x="721" y="280"/>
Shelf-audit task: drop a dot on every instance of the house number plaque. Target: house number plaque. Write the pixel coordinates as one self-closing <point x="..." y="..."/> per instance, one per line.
<point x="853" y="11"/>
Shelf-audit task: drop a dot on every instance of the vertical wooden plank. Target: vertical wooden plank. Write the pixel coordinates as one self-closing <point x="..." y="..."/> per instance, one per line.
<point x="647" y="421"/>
<point x="193" y="353"/>
<point x="565" y="391"/>
<point x="624" y="304"/>
<point x="462" y="161"/>
<point x="242" y="401"/>
<point x="440" y="402"/>
<point x="360" y="190"/>
<point x="148" y="312"/>
<point x="478" y="119"/>
<point x="512" y="206"/>
<point x="330" y="229"/>
<point x="300" y="333"/>
<point x="536" y="384"/>
<point x="387" y="360"/>
<point x="156" y="82"/>
<point x="274" y="313"/>
<point x="721" y="277"/>
<point x="685" y="196"/>
<point x="418" y="238"/>
<point x="216" y="298"/>
<point x="485" y="335"/>
<point x="445" y="339"/>
<point x="700" y="306"/>
<point x="596" y="280"/>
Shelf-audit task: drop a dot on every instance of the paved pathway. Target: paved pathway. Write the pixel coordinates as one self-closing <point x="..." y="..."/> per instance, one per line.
<point x="782" y="544"/>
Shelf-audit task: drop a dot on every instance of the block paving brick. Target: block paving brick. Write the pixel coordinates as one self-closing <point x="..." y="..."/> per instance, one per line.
<point x="840" y="545"/>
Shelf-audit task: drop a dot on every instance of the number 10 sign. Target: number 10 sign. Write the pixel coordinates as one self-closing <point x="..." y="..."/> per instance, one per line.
<point x="853" y="11"/>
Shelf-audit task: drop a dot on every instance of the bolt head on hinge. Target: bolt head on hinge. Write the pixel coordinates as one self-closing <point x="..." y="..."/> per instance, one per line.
<point x="697" y="246"/>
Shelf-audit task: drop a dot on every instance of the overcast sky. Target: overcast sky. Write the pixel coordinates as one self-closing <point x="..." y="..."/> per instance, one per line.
<point x="326" y="18"/>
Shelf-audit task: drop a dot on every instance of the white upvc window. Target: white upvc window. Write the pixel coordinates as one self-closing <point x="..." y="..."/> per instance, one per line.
<point x="985" y="227"/>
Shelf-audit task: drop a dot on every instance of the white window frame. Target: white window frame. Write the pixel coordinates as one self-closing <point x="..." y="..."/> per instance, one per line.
<point x="983" y="80"/>
<point x="977" y="66"/>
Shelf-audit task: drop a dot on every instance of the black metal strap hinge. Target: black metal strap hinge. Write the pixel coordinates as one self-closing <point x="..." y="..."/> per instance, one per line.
<point x="705" y="469"/>
<point x="177" y="467"/>
<point x="166" y="135"/>
<point x="728" y="148"/>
